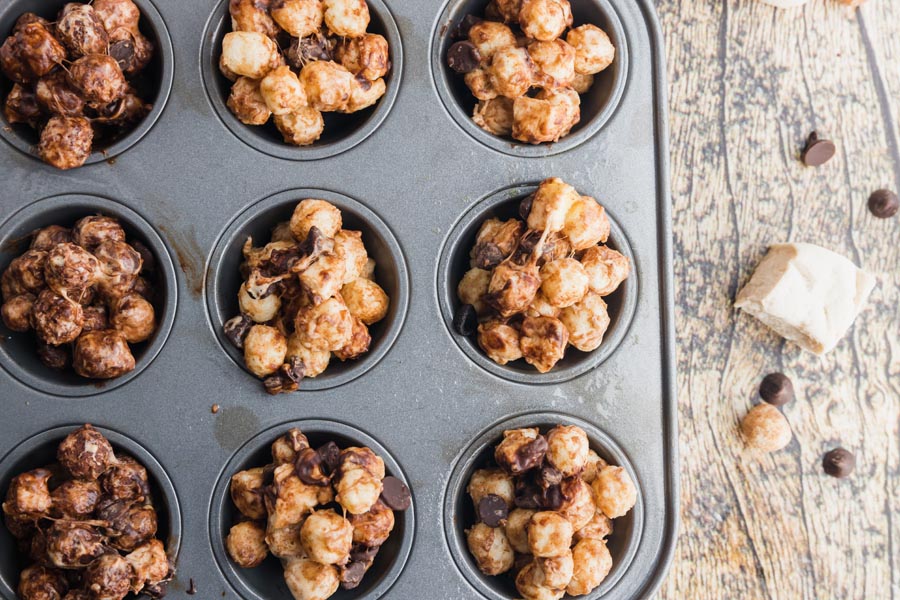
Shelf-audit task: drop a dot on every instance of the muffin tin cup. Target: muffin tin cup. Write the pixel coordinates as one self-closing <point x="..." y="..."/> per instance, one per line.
<point x="40" y="450"/>
<point x="454" y="262"/>
<point x="17" y="350"/>
<point x="342" y="132"/>
<point x="459" y="513"/>
<point x="266" y="582"/>
<point x="597" y="106"/>
<point x="159" y="76"/>
<point x="223" y="278"/>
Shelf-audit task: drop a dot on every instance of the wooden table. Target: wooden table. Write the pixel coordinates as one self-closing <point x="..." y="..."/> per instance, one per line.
<point x="747" y="85"/>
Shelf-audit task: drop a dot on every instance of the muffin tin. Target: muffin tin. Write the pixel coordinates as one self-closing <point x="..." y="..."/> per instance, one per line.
<point x="191" y="189"/>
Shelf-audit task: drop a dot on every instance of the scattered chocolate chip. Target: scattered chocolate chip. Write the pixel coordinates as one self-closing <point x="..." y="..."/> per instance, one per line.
<point x="308" y="49"/>
<point x="192" y="589"/>
<point x="331" y="457"/>
<point x="525" y="206"/>
<point x="552" y="498"/>
<point x="461" y="31"/>
<point x="548" y="476"/>
<point x="817" y="151"/>
<point x="839" y="463"/>
<point x="236" y="330"/>
<point x="215" y="409"/>
<point x="492" y="510"/>
<point x="363" y="553"/>
<point x="352" y="575"/>
<point x="465" y="321"/>
<point x="309" y="468"/>
<point x="395" y="494"/>
<point x="463" y="57"/>
<point x="527" y="495"/>
<point x="776" y="389"/>
<point x="123" y="52"/>
<point x="884" y="204"/>
<point x="487" y="255"/>
<point x="530" y="455"/>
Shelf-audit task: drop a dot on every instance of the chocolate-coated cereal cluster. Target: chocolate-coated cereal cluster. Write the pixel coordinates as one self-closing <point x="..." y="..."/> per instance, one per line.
<point x="82" y="292"/>
<point x="536" y="284"/>
<point x="73" y="77"/>
<point x="307" y="294"/>
<point x="526" y="76"/>
<point x="87" y="525"/>
<point x="545" y="510"/>
<point x="295" y="59"/>
<point x="324" y="512"/>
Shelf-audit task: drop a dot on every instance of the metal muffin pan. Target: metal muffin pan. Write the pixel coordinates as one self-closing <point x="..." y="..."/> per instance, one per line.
<point x="40" y="451"/>
<point x="425" y="401"/>
<point x="154" y="84"/>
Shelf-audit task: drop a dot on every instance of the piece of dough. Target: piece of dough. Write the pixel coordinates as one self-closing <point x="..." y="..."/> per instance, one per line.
<point x="807" y="294"/>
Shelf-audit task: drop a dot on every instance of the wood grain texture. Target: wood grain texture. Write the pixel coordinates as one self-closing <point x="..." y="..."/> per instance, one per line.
<point x="747" y="83"/>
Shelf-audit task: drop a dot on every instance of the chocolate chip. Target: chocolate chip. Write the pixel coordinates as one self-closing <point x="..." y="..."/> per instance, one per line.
<point x="465" y="321"/>
<point x="839" y="463"/>
<point x="363" y="553"/>
<point x="331" y="457"/>
<point x="352" y="574"/>
<point x="884" y="204"/>
<point x="308" y="49"/>
<point x="123" y="52"/>
<point x="461" y="31"/>
<point x="463" y="57"/>
<point x="525" y="206"/>
<point x="817" y="151"/>
<point x="549" y="476"/>
<point x="487" y="255"/>
<point x="236" y="330"/>
<point x="395" y="494"/>
<point x="527" y="495"/>
<point x="309" y="468"/>
<point x="552" y="498"/>
<point x="530" y="455"/>
<point x="492" y="510"/>
<point x="776" y="389"/>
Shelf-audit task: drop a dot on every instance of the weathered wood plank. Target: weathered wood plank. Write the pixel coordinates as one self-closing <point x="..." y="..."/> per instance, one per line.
<point x="747" y="84"/>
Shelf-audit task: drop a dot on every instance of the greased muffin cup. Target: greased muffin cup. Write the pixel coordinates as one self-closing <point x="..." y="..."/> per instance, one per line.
<point x="17" y="352"/>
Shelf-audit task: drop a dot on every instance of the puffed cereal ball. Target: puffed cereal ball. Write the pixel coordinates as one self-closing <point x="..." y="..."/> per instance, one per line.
<point x="567" y="449"/>
<point x="511" y="71"/>
<point x="517" y="529"/>
<point x="586" y="224"/>
<point x="66" y="142"/>
<point x="536" y="120"/>
<point x="282" y="91"/>
<point x="134" y="317"/>
<point x="578" y="502"/>
<point x="300" y="18"/>
<point x="499" y="341"/>
<point x="521" y="450"/>
<point x="284" y="542"/>
<point x="325" y="326"/>
<point x="566" y="99"/>
<point x="490" y="548"/>
<point x="594" y="51"/>
<point x="314" y="361"/>
<point x="366" y="300"/>
<point x="98" y="77"/>
<point x="358" y="490"/>
<point x="592" y="563"/>
<point x="495" y="241"/>
<point x="41" y="583"/>
<point x="543" y="20"/>
<point x="543" y="342"/>
<point x="513" y="287"/>
<point x="564" y="282"/>
<point x="592" y="467"/>
<point x="327" y="537"/>
<point x="587" y="322"/>
<point x="480" y="84"/>
<point x="541" y="307"/>
<point x="80" y="30"/>
<point x="247" y="492"/>
<point x="598" y="528"/>
<point x="373" y="528"/>
<point x="320" y="214"/>
<point x="489" y="36"/>
<point x="247" y="103"/>
<point x="614" y="492"/>
<point x="323" y="278"/>
<point x="363" y="94"/>
<point x="259" y="308"/>
<point x="359" y="342"/>
<point x="17" y="311"/>
<point x="549" y="535"/>
<point x="766" y="428"/>
<point x="606" y="269"/>
<point x="55" y="319"/>
<point x="327" y="84"/>
<point x="264" y="350"/>
<point x="349" y="246"/>
<point x="309" y="580"/>
<point x="472" y="288"/>
<point x="555" y="59"/>
<point x="249" y="15"/>
<point x="530" y="584"/>
<point x="249" y="53"/>
<point x="367" y="56"/>
<point x="582" y="83"/>
<point x="495" y="115"/>
<point x="557" y="570"/>
<point x="485" y="482"/>
<point x="301" y="128"/>
<point x="553" y="200"/>
<point x="246" y="544"/>
<point x="347" y="18"/>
